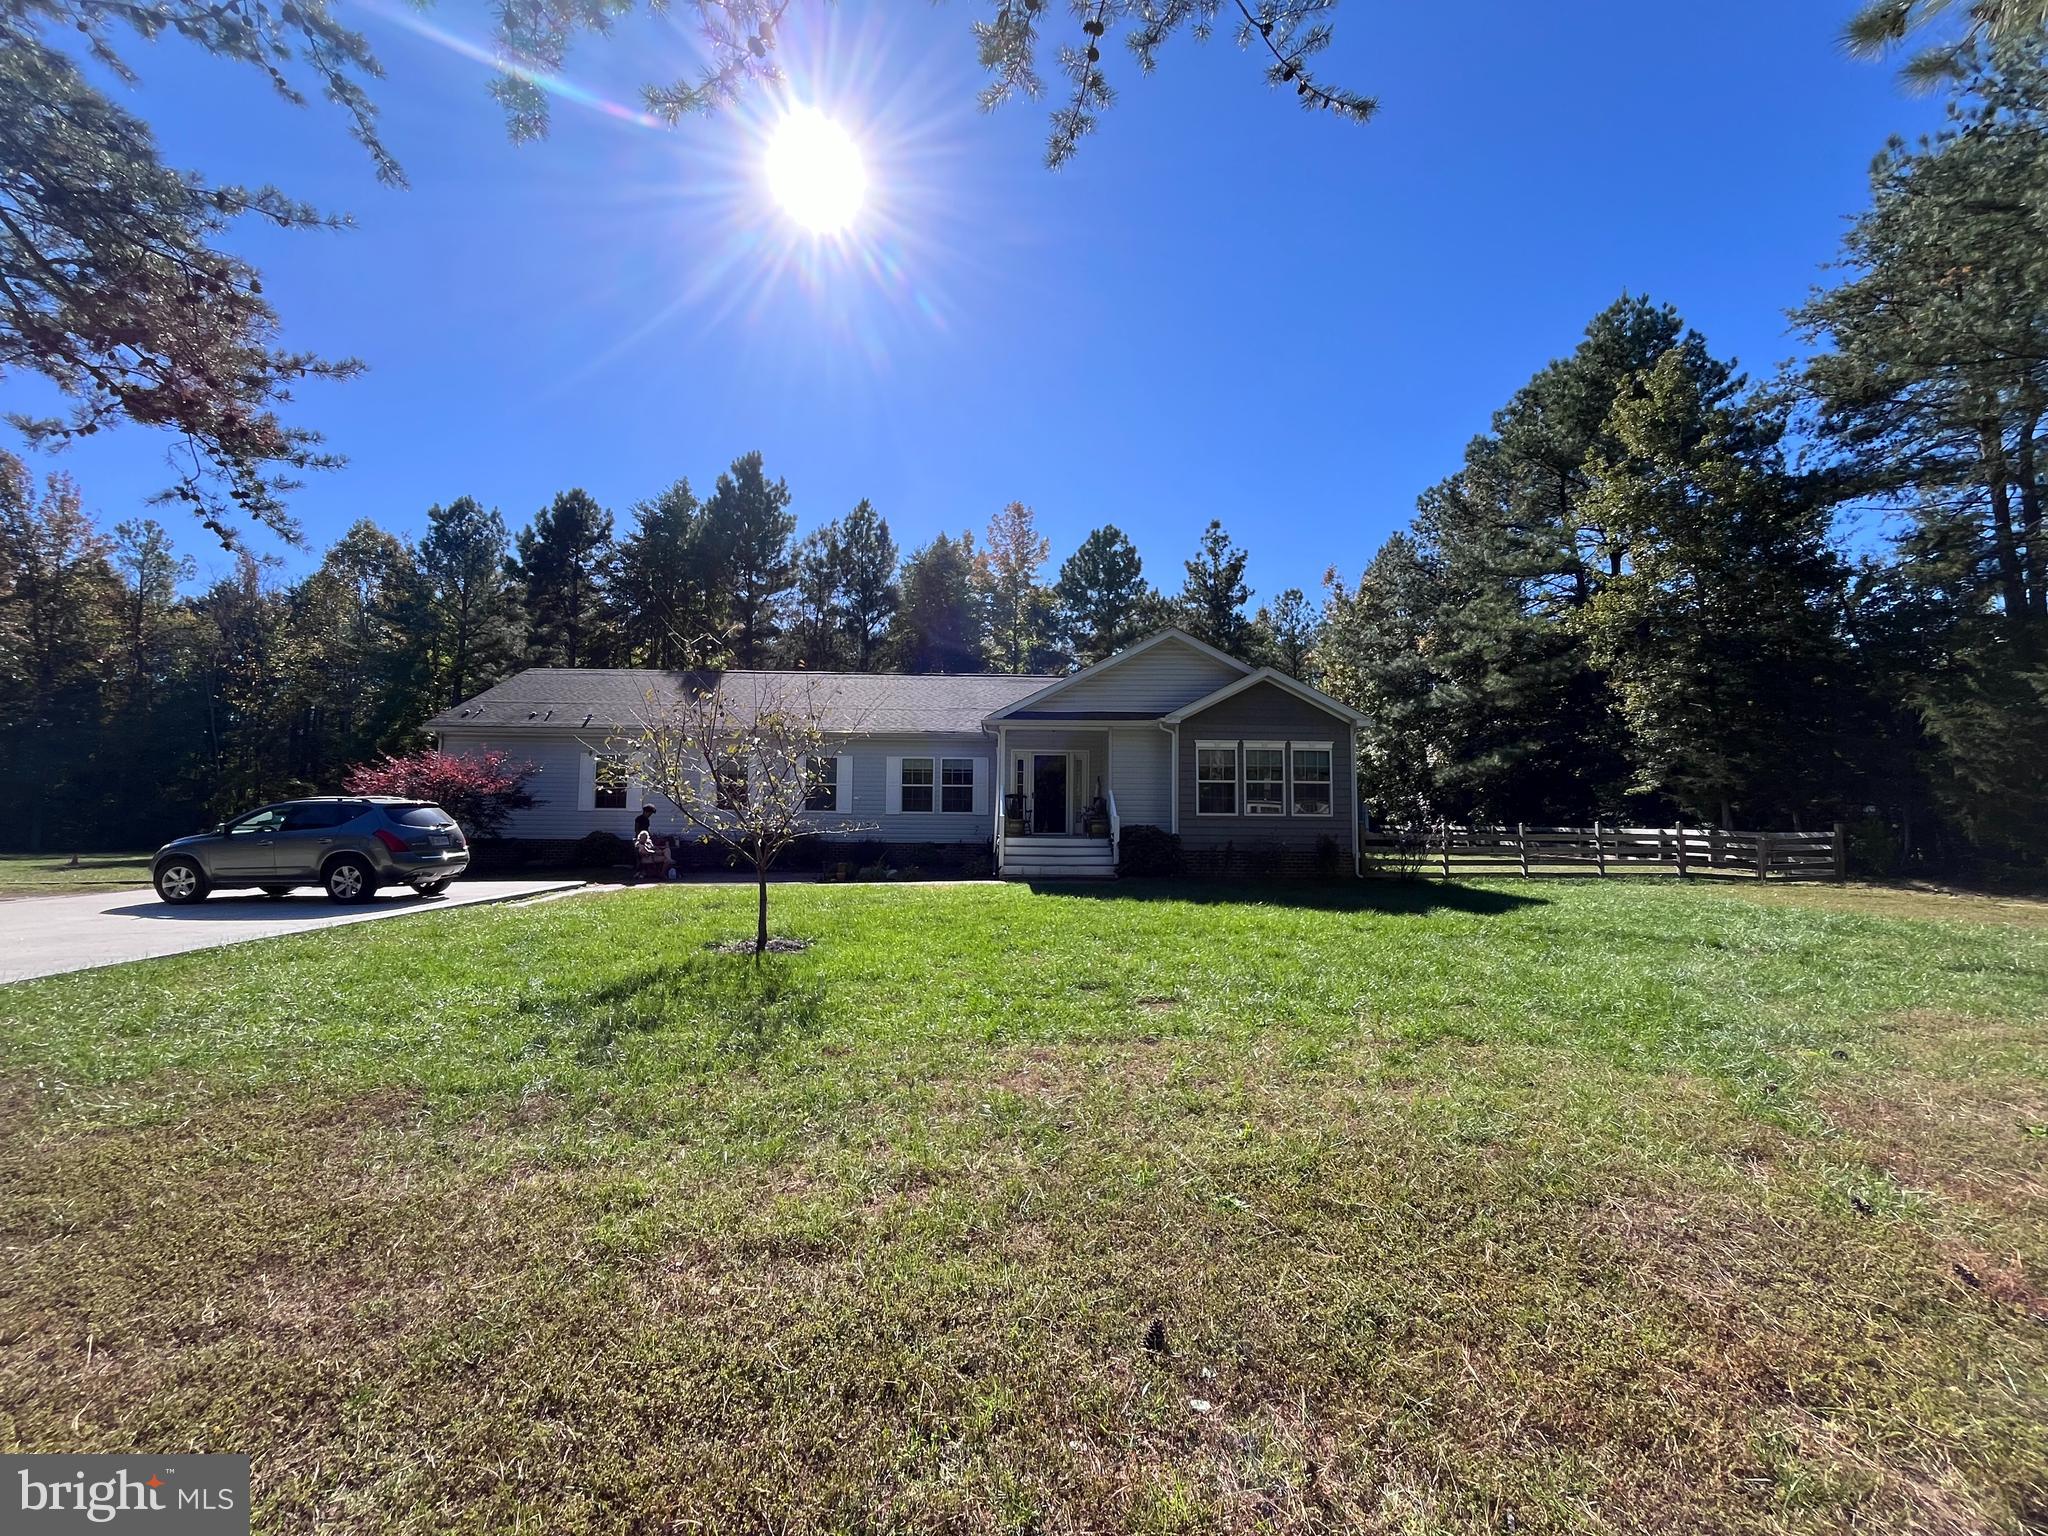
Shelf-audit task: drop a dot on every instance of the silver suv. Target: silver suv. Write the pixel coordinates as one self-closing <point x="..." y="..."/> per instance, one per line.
<point x="350" y="844"/>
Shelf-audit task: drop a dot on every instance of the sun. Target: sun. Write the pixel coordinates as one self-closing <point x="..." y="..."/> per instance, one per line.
<point x="815" y="171"/>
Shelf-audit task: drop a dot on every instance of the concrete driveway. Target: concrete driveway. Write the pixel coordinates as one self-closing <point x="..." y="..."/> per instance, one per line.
<point x="46" y="935"/>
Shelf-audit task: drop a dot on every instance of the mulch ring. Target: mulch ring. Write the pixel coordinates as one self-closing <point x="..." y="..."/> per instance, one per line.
<point x="746" y="946"/>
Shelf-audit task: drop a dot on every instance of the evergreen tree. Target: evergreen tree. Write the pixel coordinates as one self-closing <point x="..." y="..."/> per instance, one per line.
<point x="1931" y="380"/>
<point x="151" y="571"/>
<point x="349" y="657"/>
<point x="664" y="587"/>
<point x="1213" y="597"/>
<point x="868" y="595"/>
<point x="1721" y="632"/>
<point x="470" y="624"/>
<point x="1103" y="601"/>
<point x="560" y="568"/>
<point x="1287" y="631"/>
<point x="939" y="626"/>
<point x="1374" y="654"/>
<point x="1017" y="609"/>
<point x="813" y="638"/>
<point x="748" y="530"/>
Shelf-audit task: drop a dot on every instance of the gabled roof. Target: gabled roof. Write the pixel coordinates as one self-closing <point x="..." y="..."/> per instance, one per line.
<point x="1293" y="685"/>
<point x="1135" y="648"/>
<point x="848" y="703"/>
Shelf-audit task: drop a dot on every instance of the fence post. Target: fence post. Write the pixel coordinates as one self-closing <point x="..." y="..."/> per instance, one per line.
<point x="1714" y="846"/>
<point x="1522" y="844"/>
<point x="1447" y="849"/>
<point x="1763" y="855"/>
<point x="1683" y="872"/>
<point x="1841" y="851"/>
<point x="1661" y="834"/>
<point x="1599" y="847"/>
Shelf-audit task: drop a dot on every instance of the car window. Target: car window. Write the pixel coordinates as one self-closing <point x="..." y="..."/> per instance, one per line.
<point x="311" y="818"/>
<point x="269" y="819"/>
<point x="419" y="816"/>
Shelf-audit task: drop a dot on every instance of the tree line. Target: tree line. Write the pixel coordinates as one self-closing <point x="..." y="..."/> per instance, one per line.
<point x="136" y="706"/>
<point x="1632" y="597"/>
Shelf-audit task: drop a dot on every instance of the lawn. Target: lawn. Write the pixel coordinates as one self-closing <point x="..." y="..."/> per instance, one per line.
<point x="1405" y="1208"/>
<point x="54" y="874"/>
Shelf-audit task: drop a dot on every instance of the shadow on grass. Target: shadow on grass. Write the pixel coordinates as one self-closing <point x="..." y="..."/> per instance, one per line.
<point x="1396" y="898"/>
<point x="724" y="1003"/>
<point x="309" y="902"/>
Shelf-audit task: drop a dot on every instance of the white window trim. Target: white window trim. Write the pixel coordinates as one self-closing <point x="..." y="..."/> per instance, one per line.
<point x="973" y="785"/>
<point x="1244" y="799"/>
<point x="838" y="805"/>
<point x="903" y="762"/>
<point x="1330" y="783"/>
<point x="1236" y="784"/>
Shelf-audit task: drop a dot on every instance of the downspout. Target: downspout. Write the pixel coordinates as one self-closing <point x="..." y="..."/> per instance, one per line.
<point x="1357" y="856"/>
<point x="1173" y="779"/>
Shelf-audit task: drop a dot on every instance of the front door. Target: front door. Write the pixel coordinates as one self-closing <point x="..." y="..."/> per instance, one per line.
<point x="1049" y="794"/>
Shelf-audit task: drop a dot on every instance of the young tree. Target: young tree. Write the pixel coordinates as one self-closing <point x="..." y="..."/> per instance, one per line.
<point x="743" y="768"/>
<point x="470" y="616"/>
<point x="1017" y="610"/>
<point x="1102" y="597"/>
<point x="748" y="529"/>
<point x="559" y="568"/>
<point x="1212" y="598"/>
<point x="479" y="789"/>
<point x="664" y="581"/>
<point x="938" y="628"/>
<point x="1287" y="631"/>
<point x="868" y="595"/>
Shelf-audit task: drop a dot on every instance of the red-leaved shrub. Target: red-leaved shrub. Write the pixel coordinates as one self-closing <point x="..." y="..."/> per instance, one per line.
<point x="479" y="789"/>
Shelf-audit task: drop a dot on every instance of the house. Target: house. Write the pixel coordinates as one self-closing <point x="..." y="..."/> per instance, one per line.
<point x="1251" y="768"/>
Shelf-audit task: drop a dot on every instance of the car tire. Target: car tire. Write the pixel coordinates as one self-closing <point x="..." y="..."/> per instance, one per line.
<point x="431" y="887"/>
<point x="277" y="892"/>
<point x="180" y="882"/>
<point x="349" y="880"/>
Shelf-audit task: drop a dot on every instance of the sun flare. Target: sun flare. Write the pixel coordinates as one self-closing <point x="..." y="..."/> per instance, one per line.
<point x="815" y="171"/>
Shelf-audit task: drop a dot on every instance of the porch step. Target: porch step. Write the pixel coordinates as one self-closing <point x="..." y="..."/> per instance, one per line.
<point x="1058" y="859"/>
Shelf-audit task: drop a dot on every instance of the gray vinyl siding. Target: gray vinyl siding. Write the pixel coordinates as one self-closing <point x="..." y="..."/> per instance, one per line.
<point x="1141" y="769"/>
<point x="1268" y="713"/>
<point x="555" y="815"/>
<point x="1157" y="681"/>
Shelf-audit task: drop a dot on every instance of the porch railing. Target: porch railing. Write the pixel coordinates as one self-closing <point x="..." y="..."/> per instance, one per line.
<point x="1116" y="827"/>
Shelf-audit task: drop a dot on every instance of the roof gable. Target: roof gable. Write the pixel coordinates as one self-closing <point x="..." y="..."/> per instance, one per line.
<point x="1278" y="679"/>
<point x="1143" y="681"/>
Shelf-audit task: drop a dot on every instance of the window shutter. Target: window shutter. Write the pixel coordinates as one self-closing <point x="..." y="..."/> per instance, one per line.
<point x="892" y="790"/>
<point x="586" y="780"/>
<point x="981" y="786"/>
<point x="842" y="800"/>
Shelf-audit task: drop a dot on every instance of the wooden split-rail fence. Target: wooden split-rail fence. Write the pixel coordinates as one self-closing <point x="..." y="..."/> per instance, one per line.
<point x="1449" y="852"/>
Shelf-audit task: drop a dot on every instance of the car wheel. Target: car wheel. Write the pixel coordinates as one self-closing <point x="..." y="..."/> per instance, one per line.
<point x="181" y="882"/>
<point x="277" y="892"/>
<point x="350" y="880"/>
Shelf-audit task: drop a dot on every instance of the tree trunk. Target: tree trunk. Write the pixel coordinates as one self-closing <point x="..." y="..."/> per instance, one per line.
<point x="2012" y="581"/>
<point x="761" y="917"/>
<point x="2036" y="557"/>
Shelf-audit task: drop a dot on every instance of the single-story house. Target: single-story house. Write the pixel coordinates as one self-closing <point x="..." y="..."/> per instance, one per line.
<point x="1249" y="767"/>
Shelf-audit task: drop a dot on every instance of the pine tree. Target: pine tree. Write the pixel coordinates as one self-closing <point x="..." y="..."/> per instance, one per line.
<point x="1286" y="633"/>
<point x="1102" y="597"/>
<point x="663" y="592"/>
<point x="748" y="530"/>
<point x="1213" y="597"/>
<point x="868" y="594"/>
<point x="470" y="620"/>
<point x="1018" y="610"/>
<point x="1374" y="654"/>
<point x="812" y="637"/>
<point x="560" y="567"/>
<point x="939" y="626"/>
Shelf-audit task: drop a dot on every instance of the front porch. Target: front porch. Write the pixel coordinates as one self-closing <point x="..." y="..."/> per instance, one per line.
<point x="1055" y="815"/>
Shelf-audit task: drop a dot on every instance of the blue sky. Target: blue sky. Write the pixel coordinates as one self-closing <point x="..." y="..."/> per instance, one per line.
<point x="1224" y="308"/>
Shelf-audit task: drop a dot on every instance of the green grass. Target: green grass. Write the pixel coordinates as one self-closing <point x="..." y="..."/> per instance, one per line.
<point x="1544" y="1207"/>
<point x="53" y="874"/>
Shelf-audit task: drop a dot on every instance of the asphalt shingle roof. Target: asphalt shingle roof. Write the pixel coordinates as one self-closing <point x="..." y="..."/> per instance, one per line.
<point x="849" y="703"/>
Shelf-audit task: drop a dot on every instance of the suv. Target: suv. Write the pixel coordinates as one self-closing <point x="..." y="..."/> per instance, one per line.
<point x="350" y="844"/>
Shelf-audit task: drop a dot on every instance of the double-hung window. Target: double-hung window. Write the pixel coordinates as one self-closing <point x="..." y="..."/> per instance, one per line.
<point x="956" y="784"/>
<point x="917" y="784"/>
<point x="1216" y="778"/>
<point x="1312" y="778"/>
<point x="823" y="791"/>
<point x="608" y="783"/>
<point x="1265" y="778"/>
